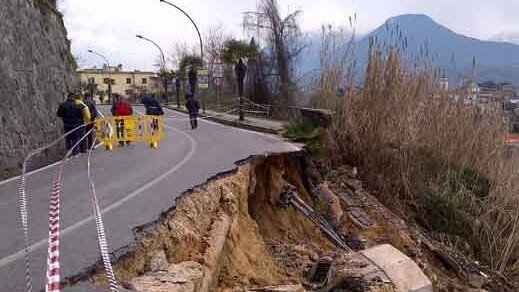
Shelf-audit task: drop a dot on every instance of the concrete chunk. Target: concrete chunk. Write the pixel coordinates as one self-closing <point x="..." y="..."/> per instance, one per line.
<point x="403" y="271"/>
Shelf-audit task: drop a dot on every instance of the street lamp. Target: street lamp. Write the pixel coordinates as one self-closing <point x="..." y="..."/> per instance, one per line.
<point x="163" y="65"/>
<point x="109" y="73"/>
<point x="196" y="27"/>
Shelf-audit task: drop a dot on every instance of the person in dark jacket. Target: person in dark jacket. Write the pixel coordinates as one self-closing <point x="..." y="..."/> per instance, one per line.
<point x="241" y="70"/>
<point x="193" y="78"/>
<point x="152" y="106"/>
<point x="72" y="116"/>
<point x="89" y="102"/>
<point x="193" y="107"/>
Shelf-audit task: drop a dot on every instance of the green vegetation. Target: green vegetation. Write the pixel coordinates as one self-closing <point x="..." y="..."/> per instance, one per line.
<point x="427" y="157"/>
<point x="305" y="131"/>
<point x="234" y="50"/>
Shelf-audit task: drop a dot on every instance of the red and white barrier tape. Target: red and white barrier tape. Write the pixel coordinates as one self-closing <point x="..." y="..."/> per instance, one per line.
<point x="53" y="267"/>
<point x="101" y="234"/>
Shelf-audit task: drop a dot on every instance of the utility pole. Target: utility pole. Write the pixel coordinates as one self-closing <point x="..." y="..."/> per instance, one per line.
<point x="254" y="22"/>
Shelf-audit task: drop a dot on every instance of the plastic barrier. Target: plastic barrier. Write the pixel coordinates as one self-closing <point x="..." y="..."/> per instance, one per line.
<point x="112" y="129"/>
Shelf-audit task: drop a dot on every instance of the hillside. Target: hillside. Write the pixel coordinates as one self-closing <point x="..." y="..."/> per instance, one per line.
<point x="423" y="38"/>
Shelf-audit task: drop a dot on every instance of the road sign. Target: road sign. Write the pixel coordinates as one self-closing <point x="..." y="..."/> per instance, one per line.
<point x="203" y="79"/>
<point x="217" y="81"/>
<point x="217" y="66"/>
<point x="217" y="70"/>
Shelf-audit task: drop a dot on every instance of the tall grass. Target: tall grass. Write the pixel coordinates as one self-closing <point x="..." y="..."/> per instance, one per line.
<point x="430" y="158"/>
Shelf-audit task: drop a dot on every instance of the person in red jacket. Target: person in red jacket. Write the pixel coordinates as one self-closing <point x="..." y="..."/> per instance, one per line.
<point x="121" y="107"/>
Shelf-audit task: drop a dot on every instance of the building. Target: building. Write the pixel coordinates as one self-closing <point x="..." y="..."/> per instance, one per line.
<point x="128" y="83"/>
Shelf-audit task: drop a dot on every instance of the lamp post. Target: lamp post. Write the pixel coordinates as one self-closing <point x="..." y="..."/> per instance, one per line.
<point x="163" y="65"/>
<point x="109" y="73"/>
<point x="196" y="27"/>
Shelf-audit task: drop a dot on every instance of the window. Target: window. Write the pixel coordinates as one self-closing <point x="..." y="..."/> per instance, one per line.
<point x="128" y="81"/>
<point x="144" y="81"/>
<point x="91" y="80"/>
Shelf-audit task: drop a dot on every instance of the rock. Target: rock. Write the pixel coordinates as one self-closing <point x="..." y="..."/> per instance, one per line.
<point x="355" y="241"/>
<point x="360" y="218"/>
<point x="476" y="281"/>
<point x="354" y="184"/>
<point x="181" y="277"/>
<point x="403" y="272"/>
<point x="159" y="261"/>
<point x="334" y="210"/>
<point x="36" y="70"/>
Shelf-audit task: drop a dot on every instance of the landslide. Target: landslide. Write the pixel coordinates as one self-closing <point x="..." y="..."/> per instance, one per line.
<point x="232" y="234"/>
<point x="233" y="227"/>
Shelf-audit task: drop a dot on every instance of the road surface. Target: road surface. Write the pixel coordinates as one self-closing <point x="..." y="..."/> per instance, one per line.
<point x="134" y="185"/>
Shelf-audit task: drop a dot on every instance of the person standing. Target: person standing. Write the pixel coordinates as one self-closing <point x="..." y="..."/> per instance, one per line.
<point x="193" y="107"/>
<point x="89" y="102"/>
<point x="241" y="70"/>
<point x="193" y="78"/>
<point x="152" y="106"/>
<point x="177" y="85"/>
<point x="121" y="108"/>
<point x="85" y="114"/>
<point x="72" y="116"/>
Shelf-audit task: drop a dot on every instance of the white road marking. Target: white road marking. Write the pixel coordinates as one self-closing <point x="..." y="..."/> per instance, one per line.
<point x="42" y="243"/>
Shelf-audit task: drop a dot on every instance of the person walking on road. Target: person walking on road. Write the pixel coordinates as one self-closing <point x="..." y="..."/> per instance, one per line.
<point x="240" y="70"/>
<point x="121" y="108"/>
<point x="89" y="102"/>
<point x="193" y="107"/>
<point x="72" y="116"/>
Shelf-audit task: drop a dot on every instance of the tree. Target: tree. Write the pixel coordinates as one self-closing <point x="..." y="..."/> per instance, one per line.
<point x="234" y="50"/>
<point x="190" y="61"/>
<point x="283" y="38"/>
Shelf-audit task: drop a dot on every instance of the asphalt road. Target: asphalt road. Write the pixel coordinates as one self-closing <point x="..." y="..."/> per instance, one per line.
<point x="134" y="185"/>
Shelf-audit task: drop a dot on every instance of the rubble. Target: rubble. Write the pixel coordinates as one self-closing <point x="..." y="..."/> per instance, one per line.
<point x="234" y="233"/>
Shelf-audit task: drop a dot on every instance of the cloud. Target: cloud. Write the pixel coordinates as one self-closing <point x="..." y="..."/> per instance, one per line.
<point x="110" y="26"/>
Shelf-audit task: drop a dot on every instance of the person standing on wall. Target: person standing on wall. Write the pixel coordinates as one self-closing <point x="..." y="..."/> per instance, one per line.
<point x="193" y="107"/>
<point x="72" y="116"/>
<point x="240" y="70"/>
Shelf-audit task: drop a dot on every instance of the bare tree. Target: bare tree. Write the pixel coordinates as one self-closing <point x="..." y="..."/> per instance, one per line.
<point x="180" y="51"/>
<point x="284" y="40"/>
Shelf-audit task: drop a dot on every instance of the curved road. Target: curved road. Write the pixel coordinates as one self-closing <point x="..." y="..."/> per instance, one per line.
<point x="134" y="185"/>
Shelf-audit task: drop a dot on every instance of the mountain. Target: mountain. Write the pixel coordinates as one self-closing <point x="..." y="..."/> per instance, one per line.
<point x="507" y="37"/>
<point x="420" y="37"/>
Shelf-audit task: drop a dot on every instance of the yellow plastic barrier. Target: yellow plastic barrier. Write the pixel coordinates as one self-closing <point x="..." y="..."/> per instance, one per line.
<point x="111" y="129"/>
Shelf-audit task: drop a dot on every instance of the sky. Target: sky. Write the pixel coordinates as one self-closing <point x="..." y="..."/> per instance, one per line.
<point x="109" y="26"/>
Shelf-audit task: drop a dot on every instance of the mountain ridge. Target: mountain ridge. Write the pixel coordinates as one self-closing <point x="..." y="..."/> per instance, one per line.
<point x="452" y="52"/>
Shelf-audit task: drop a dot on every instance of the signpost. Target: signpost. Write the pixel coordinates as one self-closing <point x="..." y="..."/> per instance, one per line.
<point x="203" y="79"/>
<point x="203" y="84"/>
<point x="218" y="77"/>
